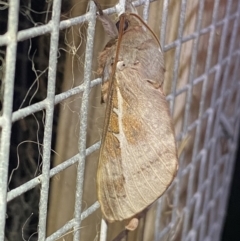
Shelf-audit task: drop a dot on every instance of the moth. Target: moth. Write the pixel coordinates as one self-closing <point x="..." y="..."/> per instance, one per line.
<point x="138" y="157"/>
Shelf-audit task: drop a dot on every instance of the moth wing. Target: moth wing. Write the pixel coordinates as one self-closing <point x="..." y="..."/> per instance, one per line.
<point x="138" y="157"/>
<point x="110" y="176"/>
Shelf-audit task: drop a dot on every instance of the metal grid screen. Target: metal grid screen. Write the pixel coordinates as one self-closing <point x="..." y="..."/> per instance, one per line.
<point x="202" y="53"/>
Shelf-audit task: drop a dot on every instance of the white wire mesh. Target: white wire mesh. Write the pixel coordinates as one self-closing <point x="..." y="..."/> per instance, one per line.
<point x="200" y="190"/>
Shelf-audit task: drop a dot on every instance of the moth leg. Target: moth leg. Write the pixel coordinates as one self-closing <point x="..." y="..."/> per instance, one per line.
<point x="107" y="23"/>
<point x="132" y="224"/>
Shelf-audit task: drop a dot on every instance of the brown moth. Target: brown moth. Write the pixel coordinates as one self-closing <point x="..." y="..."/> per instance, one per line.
<point x="138" y="157"/>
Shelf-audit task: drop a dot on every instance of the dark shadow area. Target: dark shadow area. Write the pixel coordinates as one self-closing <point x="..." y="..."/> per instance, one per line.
<point x="231" y="228"/>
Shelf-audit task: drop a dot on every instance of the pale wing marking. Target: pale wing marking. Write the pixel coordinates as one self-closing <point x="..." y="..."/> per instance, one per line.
<point x="121" y="136"/>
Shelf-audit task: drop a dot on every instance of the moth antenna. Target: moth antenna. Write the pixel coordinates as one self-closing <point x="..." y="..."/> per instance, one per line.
<point x="154" y="35"/>
<point x="109" y="27"/>
<point x="98" y="7"/>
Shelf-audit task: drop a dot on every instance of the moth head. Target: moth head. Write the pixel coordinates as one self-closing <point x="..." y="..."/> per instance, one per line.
<point x="125" y="25"/>
<point x="109" y="26"/>
<point x="129" y="22"/>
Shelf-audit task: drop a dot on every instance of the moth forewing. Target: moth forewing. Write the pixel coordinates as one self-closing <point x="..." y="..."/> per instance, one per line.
<point x="138" y="157"/>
